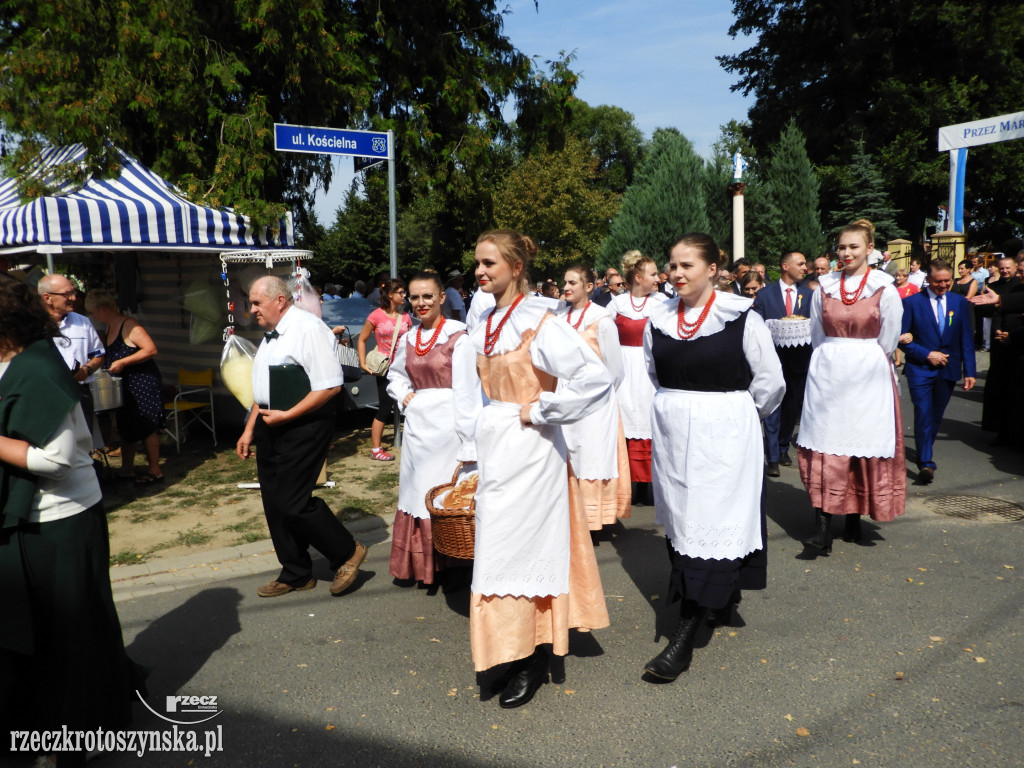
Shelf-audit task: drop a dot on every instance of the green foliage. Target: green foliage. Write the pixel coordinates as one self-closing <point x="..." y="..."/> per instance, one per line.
<point x="891" y="75"/>
<point x="667" y="199"/>
<point x="793" y="183"/>
<point x="614" y="139"/>
<point x="193" y="88"/>
<point x="864" y="196"/>
<point x="556" y="197"/>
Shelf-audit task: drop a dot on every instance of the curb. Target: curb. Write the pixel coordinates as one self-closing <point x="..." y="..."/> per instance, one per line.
<point x="171" y="573"/>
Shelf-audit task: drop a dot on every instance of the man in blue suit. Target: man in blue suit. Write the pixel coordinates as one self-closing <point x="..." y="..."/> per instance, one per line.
<point x="941" y="352"/>
<point x="773" y="302"/>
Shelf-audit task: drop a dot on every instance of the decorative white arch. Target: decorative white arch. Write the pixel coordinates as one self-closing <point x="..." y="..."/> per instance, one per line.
<point x="957" y="138"/>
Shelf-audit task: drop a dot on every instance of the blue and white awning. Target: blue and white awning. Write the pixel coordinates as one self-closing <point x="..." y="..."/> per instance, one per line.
<point x="137" y="210"/>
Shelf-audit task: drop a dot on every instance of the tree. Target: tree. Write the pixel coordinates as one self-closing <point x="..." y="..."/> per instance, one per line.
<point x="556" y="197"/>
<point x="793" y="184"/>
<point x="667" y="199"/>
<point x="193" y="88"/>
<point x="614" y="139"/>
<point x="890" y="74"/>
<point x="865" y="197"/>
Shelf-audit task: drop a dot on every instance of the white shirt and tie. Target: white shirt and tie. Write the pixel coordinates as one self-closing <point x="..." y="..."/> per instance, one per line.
<point x="789" y="294"/>
<point x="938" y="304"/>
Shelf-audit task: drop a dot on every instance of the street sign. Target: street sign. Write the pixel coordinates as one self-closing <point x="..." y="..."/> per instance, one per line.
<point x="365" y="163"/>
<point x="331" y="141"/>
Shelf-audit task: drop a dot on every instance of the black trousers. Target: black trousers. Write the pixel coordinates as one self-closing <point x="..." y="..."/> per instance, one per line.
<point x="795" y="362"/>
<point x="288" y="460"/>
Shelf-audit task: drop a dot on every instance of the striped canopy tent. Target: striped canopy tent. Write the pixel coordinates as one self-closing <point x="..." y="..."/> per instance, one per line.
<point x="137" y="210"/>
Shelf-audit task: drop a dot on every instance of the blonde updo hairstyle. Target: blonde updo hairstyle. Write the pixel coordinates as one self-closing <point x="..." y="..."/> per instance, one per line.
<point x="864" y="227"/>
<point x="633" y="264"/>
<point x="517" y="249"/>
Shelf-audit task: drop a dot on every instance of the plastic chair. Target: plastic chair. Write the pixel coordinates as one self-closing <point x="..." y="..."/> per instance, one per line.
<point x="192" y="403"/>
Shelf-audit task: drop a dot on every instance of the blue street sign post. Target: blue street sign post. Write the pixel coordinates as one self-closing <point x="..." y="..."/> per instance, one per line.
<point x="377" y="146"/>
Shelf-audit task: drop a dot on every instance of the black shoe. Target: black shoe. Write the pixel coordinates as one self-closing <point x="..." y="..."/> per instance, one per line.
<point x="821" y="541"/>
<point x="530" y="675"/>
<point x="772" y="470"/>
<point x="925" y="476"/>
<point x="785" y="461"/>
<point x="678" y="654"/>
<point x="851" y="529"/>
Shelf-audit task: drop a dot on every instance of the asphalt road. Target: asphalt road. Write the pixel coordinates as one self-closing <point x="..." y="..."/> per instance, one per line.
<point x="903" y="653"/>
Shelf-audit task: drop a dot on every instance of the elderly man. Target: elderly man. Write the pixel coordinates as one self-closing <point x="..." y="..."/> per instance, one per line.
<point x="615" y="285"/>
<point x="941" y="352"/>
<point x="78" y="344"/>
<point x="887" y="265"/>
<point x="295" y="378"/>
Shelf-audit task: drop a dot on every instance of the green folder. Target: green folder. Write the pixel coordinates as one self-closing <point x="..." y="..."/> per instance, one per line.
<point x="288" y="385"/>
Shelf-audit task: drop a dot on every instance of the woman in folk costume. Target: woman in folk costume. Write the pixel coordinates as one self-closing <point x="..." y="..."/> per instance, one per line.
<point x="851" y="458"/>
<point x="535" y="574"/>
<point x="630" y="311"/>
<point x="596" y="444"/>
<point x="715" y="368"/>
<point x="434" y="368"/>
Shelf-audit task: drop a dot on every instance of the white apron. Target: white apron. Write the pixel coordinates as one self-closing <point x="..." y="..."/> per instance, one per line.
<point x="522" y="549"/>
<point x="429" y="448"/>
<point x="861" y="424"/>
<point x="707" y="453"/>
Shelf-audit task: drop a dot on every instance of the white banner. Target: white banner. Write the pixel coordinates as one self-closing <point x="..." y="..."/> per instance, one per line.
<point x="987" y="131"/>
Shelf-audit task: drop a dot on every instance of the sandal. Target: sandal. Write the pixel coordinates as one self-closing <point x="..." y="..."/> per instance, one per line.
<point x="149" y="479"/>
<point x="379" y="454"/>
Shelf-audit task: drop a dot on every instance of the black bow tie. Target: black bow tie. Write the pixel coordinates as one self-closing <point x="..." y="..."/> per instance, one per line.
<point x="271" y="335"/>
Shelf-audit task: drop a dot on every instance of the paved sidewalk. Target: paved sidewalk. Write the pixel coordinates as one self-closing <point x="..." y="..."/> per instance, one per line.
<point x="171" y="573"/>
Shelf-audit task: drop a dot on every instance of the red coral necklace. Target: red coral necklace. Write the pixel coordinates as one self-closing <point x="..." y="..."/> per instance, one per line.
<point x="642" y="303"/>
<point x="491" y="339"/>
<point x="851" y="298"/>
<point x="579" y="322"/>
<point x="422" y="349"/>
<point x="689" y="330"/>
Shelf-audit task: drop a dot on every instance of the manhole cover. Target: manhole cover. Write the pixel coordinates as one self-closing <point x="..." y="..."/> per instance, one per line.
<point x="977" y="508"/>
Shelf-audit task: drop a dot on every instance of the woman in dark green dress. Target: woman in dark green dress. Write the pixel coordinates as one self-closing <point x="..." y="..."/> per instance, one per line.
<point x="62" y="658"/>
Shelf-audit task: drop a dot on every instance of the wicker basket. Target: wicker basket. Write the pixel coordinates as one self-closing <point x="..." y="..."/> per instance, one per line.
<point x="454" y="530"/>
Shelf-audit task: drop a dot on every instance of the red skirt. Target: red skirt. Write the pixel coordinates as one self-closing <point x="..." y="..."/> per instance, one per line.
<point x="853" y="485"/>
<point x="639" y="459"/>
<point x="412" y="549"/>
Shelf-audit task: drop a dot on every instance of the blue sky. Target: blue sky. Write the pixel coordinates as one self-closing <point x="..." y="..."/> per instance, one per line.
<point x="654" y="58"/>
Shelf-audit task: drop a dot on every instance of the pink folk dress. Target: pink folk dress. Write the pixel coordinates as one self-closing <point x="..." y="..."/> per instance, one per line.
<point x="851" y="452"/>
<point x="432" y="442"/>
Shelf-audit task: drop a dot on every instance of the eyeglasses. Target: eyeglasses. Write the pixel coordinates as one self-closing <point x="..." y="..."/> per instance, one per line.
<point x="65" y="294"/>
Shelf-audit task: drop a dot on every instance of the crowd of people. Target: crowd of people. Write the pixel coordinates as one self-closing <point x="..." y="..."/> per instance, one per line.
<point x="637" y="386"/>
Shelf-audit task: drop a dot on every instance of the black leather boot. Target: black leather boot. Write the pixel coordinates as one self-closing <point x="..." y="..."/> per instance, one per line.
<point x="851" y="529"/>
<point x="529" y="675"/>
<point x="822" y="538"/>
<point x="676" y="657"/>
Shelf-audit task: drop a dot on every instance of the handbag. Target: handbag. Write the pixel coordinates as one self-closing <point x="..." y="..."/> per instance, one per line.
<point x="377" y="361"/>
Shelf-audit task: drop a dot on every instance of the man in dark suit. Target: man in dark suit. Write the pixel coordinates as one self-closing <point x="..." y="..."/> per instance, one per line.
<point x="941" y="352"/>
<point x="774" y="302"/>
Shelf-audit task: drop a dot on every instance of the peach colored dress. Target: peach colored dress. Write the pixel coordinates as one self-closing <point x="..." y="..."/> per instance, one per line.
<point x="535" y="575"/>
<point x="597" y="449"/>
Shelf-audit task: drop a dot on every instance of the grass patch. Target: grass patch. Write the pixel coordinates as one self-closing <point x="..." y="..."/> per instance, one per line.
<point x="245" y="526"/>
<point x="193" y="537"/>
<point x="128" y="557"/>
<point x="252" y="536"/>
<point x="384" y="481"/>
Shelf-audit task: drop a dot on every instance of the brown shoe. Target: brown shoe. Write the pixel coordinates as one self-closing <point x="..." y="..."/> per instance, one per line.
<point x="277" y="588"/>
<point x="347" y="573"/>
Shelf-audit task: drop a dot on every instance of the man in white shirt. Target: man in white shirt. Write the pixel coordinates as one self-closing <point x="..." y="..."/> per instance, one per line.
<point x="296" y="376"/>
<point x="916" y="276"/>
<point x="79" y="344"/>
<point x="786" y="298"/>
